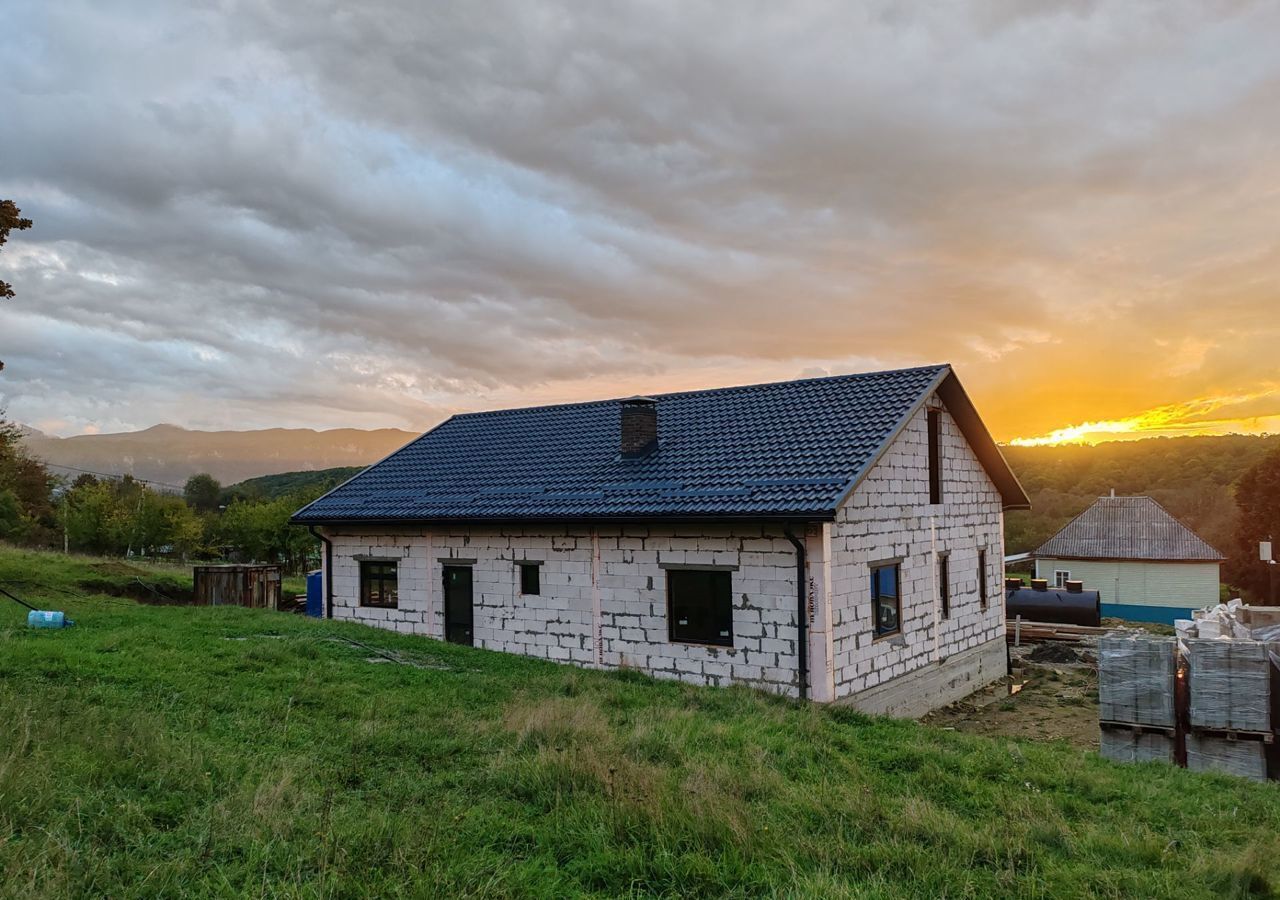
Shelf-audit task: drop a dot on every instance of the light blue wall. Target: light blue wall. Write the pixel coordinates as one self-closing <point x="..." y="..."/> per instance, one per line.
<point x="1158" y="585"/>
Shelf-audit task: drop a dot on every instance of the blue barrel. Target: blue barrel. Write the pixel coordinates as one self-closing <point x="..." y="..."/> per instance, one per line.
<point x="43" y="618"/>
<point x="315" y="594"/>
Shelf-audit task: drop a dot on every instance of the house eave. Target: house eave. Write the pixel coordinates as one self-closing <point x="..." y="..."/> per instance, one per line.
<point x="1127" y="559"/>
<point x="799" y="517"/>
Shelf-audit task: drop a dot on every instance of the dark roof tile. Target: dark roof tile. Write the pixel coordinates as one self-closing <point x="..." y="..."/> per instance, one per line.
<point x="790" y="449"/>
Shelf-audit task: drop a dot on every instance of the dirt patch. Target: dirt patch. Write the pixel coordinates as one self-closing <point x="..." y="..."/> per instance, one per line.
<point x="1043" y="703"/>
<point x="1054" y="652"/>
<point x="154" y="594"/>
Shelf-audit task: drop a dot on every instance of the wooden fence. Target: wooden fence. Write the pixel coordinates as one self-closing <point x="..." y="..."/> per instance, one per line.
<point x="238" y="585"/>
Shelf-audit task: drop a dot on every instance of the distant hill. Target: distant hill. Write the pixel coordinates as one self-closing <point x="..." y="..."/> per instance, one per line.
<point x="269" y="487"/>
<point x="1192" y="477"/>
<point x="169" y="455"/>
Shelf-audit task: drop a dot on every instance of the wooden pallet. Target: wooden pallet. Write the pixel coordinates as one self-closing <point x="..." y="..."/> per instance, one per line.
<point x="1230" y="734"/>
<point x="1167" y="730"/>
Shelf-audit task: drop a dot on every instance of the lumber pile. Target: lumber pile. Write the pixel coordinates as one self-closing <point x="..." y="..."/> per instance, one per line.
<point x="1031" y="632"/>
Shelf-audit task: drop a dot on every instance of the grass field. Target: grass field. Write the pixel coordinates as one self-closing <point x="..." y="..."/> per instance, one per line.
<point x="172" y="751"/>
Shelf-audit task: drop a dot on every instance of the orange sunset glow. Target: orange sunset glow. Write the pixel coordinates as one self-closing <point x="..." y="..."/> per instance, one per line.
<point x="1076" y="208"/>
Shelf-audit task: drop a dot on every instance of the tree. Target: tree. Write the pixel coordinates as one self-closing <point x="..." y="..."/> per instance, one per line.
<point x="261" y="529"/>
<point x="202" y="492"/>
<point x="10" y="220"/>
<point x="26" y="491"/>
<point x="1258" y="505"/>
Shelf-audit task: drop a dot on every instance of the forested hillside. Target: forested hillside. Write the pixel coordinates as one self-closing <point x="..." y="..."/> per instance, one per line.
<point x="270" y="487"/>
<point x="1191" y="476"/>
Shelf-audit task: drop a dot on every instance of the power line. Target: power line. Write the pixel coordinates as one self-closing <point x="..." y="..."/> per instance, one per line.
<point x="116" y="475"/>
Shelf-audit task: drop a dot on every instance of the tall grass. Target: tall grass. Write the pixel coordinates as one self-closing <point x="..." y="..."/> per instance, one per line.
<point x="169" y="751"/>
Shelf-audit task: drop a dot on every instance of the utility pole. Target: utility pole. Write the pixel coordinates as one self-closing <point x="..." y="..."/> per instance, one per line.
<point x="1264" y="554"/>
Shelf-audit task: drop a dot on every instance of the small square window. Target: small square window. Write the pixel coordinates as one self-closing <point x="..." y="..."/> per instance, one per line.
<point x="529" y="582"/>
<point x="1060" y="578"/>
<point x="379" y="585"/>
<point x="886" y="602"/>
<point x="700" y="607"/>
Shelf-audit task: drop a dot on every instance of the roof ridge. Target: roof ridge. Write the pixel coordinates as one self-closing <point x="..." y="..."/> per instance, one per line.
<point x="581" y="404"/>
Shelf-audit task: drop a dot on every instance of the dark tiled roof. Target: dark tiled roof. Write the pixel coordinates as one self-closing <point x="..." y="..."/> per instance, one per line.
<point x="791" y="449"/>
<point x="1132" y="528"/>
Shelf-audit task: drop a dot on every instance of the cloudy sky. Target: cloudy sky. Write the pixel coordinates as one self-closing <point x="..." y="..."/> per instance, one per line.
<point x="366" y="214"/>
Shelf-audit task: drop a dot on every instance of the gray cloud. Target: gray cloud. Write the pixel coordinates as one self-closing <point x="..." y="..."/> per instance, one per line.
<point x="251" y="214"/>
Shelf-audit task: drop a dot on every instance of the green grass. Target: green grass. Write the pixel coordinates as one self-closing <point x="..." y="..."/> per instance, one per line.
<point x="172" y="751"/>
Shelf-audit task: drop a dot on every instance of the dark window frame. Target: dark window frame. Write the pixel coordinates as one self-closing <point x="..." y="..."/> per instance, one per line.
<point x="934" y="417"/>
<point x="982" y="577"/>
<point x="530" y="588"/>
<point x="707" y="619"/>
<point x="877" y="630"/>
<point x="369" y="576"/>
<point x="944" y="584"/>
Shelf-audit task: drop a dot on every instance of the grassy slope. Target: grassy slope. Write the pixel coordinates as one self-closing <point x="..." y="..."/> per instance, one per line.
<point x="163" y="751"/>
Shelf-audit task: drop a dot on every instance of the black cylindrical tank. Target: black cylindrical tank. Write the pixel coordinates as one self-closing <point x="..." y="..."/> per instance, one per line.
<point x="1079" y="607"/>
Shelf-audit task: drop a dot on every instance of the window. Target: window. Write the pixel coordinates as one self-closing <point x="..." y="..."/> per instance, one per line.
<point x="1060" y="578"/>
<point x="378" y="584"/>
<point x="529" y="579"/>
<point x="944" y="585"/>
<point x="935" y="455"/>
<point x="886" y="604"/>
<point x="699" y="607"/>
<point x="982" y="577"/>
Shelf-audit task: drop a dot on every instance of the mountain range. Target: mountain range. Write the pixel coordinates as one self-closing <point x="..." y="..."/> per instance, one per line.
<point x="168" y="455"/>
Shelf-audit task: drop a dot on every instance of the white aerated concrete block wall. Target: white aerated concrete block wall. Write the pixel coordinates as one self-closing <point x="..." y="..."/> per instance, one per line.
<point x="619" y="571"/>
<point x="889" y="518"/>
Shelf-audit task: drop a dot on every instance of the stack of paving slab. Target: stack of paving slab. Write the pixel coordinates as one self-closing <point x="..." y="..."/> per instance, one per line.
<point x="1230" y="708"/>
<point x="1136" y="691"/>
<point x="1228" y="718"/>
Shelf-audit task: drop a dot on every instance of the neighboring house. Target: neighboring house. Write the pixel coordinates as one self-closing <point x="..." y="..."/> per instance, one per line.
<point x="1147" y="565"/>
<point x="836" y="538"/>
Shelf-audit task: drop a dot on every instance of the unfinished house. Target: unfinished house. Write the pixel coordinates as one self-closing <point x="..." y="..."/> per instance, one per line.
<point x="833" y="538"/>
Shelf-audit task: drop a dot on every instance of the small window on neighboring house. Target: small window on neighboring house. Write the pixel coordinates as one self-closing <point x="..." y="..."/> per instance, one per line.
<point x="886" y="602"/>
<point x="982" y="578"/>
<point x="699" y="607"/>
<point x="1060" y="578"/>
<point x="944" y="585"/>
<point x="378" y="584"/>
<point x="529" y="579"/>
<point x="935" y="455"/>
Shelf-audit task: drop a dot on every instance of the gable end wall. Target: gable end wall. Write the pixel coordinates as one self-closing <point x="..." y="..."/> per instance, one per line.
<point x="889" y="517"/>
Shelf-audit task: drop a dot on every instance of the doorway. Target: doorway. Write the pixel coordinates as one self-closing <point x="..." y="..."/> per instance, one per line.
<point x="458" y="613"/>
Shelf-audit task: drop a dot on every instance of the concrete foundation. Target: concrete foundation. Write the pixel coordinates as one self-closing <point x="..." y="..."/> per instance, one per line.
<point x="925" y="689"/>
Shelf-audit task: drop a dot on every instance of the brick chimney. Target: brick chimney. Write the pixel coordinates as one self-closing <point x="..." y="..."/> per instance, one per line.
<point x="639" y="427"/>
